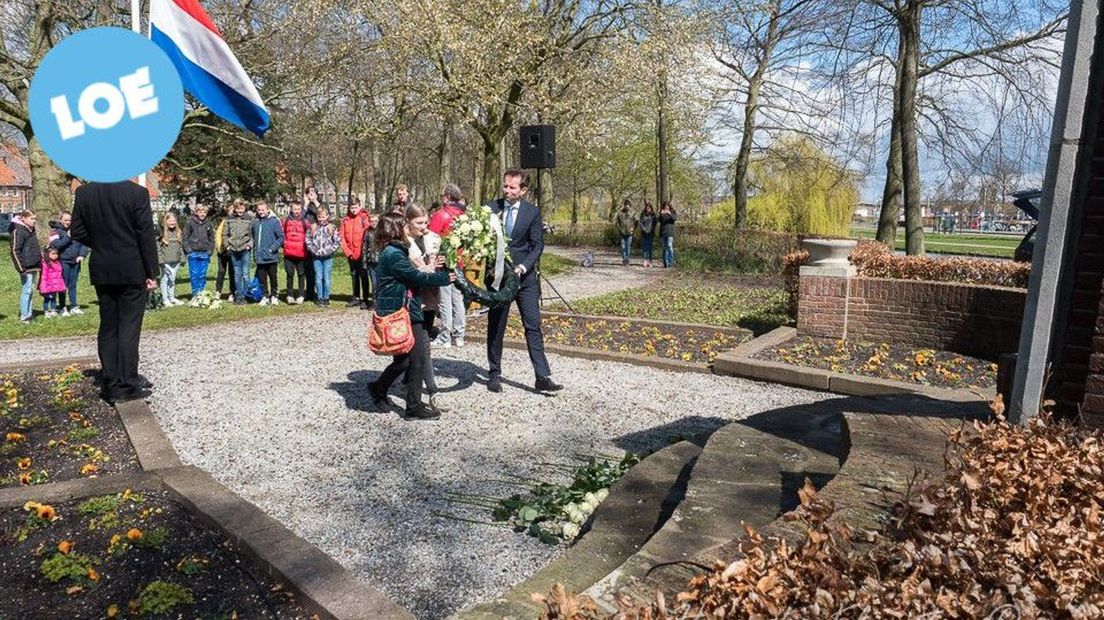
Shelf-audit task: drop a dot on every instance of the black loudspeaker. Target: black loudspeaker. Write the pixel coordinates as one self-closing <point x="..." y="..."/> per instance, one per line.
<point x="538" y="146"/>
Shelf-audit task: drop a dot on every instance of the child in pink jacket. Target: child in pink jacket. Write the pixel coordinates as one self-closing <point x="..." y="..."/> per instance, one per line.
<point x="51" y="282"/>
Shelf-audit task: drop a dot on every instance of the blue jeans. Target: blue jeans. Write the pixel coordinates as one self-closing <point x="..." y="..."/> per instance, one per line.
<point x="239" y="266"/>
<point x="323" y="269"/>
<point x="26" y="294"/>
<point x="646" y="243"/>
<point x="626" y="248"/>
<point x="70" y="272"/>
<point x="168" y="281"/>
<point x="197" y="270"/>
<point x="50" y="301"/>
<point x="668" y="251"/>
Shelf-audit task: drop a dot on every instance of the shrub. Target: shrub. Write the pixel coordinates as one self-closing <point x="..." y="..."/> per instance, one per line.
<point x="876" y="260"/>
<point x="72" y="566"/>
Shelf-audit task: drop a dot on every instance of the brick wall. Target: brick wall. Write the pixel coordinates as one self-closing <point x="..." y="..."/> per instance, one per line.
<point x="1077" y="383"/>
<point x="982" y="321"/>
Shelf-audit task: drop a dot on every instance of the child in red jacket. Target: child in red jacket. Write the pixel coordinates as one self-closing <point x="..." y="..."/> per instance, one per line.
<point x="295" y="227"/>
<point x="51" y="282"/>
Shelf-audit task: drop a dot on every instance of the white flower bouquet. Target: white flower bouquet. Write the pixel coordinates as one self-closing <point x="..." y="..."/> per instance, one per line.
<point x="472" y="239"/>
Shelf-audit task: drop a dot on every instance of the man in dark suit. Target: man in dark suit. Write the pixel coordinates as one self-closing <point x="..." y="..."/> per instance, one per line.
<point x="115" y="221"/>
<point x="523" y="225"/>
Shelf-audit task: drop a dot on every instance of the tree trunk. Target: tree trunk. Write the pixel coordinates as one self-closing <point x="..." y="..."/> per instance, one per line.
<point x="352" y="169"/>
<point x="574" y="201"/>
<point x="891" y="193"/>
<point x="491" y="177"/>
<point x="663" y="176"/>
<point x="444" y="156"/>
<point x="50" y="194"/>
<point x="379" y="182"/>
<point x="909" y="23"/>
<point x="743" y="156"/>
<point x="544" y="184"/>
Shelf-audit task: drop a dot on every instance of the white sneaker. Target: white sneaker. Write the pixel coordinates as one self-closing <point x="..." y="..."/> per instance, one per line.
<point x="275" y="301"/>
<point x="290" y="300"/>
<point x="65" y="312"/>
<point x="459" y="342"/>
<point x="76" y="311"/>
<point x="299" y="299"/>
<point x="441" y="344"/>
<point x="264" y="301"/>
<point x="51" y="314"/>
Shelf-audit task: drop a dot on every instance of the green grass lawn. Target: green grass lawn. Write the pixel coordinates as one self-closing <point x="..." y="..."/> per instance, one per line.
<point x="179" y="316"/>
<point x="996" y="246"/>
<point x="754" y="303"/>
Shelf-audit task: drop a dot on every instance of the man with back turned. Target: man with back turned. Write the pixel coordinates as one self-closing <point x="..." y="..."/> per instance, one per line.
<point x="115" y="221"/>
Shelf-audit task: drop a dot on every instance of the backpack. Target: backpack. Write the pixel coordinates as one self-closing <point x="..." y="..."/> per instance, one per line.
<point x="588" y="259"/>
<point x="253" y="291"/>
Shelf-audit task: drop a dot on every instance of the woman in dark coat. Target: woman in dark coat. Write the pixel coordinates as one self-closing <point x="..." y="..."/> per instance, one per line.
<point x="399" y="281"/>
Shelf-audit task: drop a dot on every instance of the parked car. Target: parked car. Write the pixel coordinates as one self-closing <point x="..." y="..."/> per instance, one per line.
<point x="1027" y="200"/>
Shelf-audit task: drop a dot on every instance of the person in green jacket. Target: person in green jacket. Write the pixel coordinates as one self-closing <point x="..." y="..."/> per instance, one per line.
<point x="399" y="282"/>
<point x="626" y="224"/>
<point x="170" y="253"/>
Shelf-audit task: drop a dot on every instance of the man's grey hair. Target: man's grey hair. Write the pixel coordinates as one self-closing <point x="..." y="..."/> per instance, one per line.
<point x="452" y="192"/>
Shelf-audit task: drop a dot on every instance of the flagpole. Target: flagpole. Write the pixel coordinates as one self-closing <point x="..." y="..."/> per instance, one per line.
<point x="136" y="26"/>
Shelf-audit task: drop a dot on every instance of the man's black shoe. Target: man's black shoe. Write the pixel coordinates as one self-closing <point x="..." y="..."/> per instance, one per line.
<point x="422" y="412"/>
<point x="353" y="303"/>
<point x="494" y="384"/>
<point x="546" y="384"/>
<point x="115" y="397"/>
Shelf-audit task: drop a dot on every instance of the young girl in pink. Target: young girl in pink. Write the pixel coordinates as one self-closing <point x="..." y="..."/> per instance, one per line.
<point x="51" y="282"/>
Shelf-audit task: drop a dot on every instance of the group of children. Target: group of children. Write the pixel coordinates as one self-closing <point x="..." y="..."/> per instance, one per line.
<point x="57" y="266"/>
<point x="306" y="240"/>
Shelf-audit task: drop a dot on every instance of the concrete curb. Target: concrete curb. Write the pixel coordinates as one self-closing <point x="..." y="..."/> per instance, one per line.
<point x="607" y="356"/>
<point x="637" y="505"/>
<point x="739" y="362"/>
<point x="150" y="443"/>
<point x="617" y="319"/>
<point x="61" y="362"/>
<point x="324" y="585"/>
<point x="77" y="488"/>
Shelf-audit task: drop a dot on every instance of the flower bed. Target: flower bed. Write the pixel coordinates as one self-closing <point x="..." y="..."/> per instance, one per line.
<point x="686" y="343"/>
<point x="54" y="427"/>
<point x="125" y="556"/>
<point x="751" y="302"/>
<point x="886" y="361"/>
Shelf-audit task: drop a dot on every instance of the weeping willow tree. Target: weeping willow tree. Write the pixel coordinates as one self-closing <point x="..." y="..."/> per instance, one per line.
<point x="797" y="188"/>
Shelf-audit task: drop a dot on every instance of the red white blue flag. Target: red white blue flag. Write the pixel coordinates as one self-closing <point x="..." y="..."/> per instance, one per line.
<point x="207" y="67"/>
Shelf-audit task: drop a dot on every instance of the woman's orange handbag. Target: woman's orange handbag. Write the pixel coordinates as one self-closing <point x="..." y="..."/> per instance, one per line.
<point x="391" y="334"/>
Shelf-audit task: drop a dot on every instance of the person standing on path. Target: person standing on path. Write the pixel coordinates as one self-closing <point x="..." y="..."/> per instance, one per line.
<point x="424" y="245"/>
<point x="225" y="270"/>
<point x="199" y="242"/>
<point x="626" y="224"/>
<point x="454" y="318"/>
<point x="115" y="221"/>
<point x="268" y="238"/>
<point x="73" y="254"/>
<point x="522" y="222"/>
<point x="667" y="219"/>
<point x="27" y="257"/>
<point x="648" y="223"/>
<point x="323" y="241"/>
<point x="170" y="253"/>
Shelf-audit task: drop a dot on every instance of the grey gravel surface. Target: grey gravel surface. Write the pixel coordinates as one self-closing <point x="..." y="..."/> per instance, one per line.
<point x="607" y="275"/>
<point x="291" y="428"/>
<point x="277" y="410"/>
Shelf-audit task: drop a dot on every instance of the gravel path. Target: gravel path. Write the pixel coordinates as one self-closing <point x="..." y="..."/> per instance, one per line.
<point x="283" y="418"/>
<point x="292" y="430"/>
<point x="606" y="276"/>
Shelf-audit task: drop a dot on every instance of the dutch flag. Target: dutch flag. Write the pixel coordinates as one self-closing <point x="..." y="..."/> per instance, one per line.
<point x="207" y="67"/>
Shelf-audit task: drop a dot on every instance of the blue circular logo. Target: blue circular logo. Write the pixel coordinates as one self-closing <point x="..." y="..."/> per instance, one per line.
<point x="106" y="104"/>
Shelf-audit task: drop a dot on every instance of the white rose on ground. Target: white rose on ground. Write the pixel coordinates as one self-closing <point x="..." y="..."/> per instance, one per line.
<point x="570" y="531"/>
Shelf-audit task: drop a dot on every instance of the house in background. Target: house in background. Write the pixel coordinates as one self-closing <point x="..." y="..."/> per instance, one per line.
<point x="15" y="180"/>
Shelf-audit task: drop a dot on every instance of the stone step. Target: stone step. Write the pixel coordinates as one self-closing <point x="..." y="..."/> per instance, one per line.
<point x="638" y="504"/>
<point x="746" y="474"/>
<point x="884" y="453"/>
